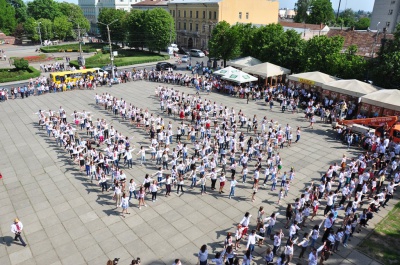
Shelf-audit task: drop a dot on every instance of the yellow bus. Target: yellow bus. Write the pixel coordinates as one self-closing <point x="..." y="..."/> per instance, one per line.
<point x="73" y="76"/>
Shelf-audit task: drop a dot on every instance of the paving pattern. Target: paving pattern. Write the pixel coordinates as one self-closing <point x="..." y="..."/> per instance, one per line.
<point x="67" y="220"/>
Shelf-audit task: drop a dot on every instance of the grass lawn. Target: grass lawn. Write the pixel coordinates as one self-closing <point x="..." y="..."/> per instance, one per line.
<point x="9" y="75"/>
<point x="125" y="57"/>
<point x="383" y="244"/>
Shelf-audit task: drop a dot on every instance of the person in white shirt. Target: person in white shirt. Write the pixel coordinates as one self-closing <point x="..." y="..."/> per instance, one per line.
<point x="313" y="256"/>
<point x="232" y="189"/>
<point x="251" y="241"/>
<point x="16" y="229"/>
<point x="124" y="204"/>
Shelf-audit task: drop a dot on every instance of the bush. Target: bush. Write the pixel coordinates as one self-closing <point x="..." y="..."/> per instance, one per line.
<point x="86" y="48"/>
<point x="10" y="75"/>
<point x="21" y="64"/>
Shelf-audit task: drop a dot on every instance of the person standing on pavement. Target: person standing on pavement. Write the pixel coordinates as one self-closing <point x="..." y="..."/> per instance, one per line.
<point x="203" y="255"/>
<point x="16" y="228"/>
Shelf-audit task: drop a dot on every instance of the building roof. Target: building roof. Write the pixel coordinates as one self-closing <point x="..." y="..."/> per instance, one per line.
<point x="302" y="25"/>
<point x="266" y="70"/>
<point x="244" y="62"/>
<point x="151" y="3"/>
<point x="385" y="98"/>
<point x="350" y="87"/>
<point x="194" y="1"/>
<point x="366" y="41"/>
<point x="312" y="78"/>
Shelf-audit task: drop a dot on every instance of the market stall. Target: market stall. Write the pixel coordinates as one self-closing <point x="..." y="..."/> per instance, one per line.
<point x="226" y="71"/>
<point x="310" y="80"/>
<point x="243" y="62"/>
<point x="384" y="102"/>
<point x="240" y="77"/>
<point x="272" y="73"/>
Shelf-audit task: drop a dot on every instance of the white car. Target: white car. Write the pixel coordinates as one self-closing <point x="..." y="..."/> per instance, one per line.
<point x="185" y="59"/>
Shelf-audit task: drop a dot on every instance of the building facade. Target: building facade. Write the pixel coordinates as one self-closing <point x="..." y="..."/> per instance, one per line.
<point x="91" y="9"/>
<point x="195" y="19"/>
<point x="386" y="14"/>
<point x="151" y="4"/>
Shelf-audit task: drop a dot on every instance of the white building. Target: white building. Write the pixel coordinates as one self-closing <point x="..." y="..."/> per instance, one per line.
<point x="91" y="9"/>
<point x="386" y="14"/>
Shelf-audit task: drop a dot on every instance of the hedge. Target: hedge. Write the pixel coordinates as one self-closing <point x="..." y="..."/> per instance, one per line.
<point x="86" y="48"/>
<point x="13" y="74"/>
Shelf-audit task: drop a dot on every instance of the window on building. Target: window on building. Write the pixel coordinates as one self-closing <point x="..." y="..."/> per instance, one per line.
<point x="215" y="15"/>
<point x="204" y="27"/>
<point x="173" y="13"/>
<point x="197" y="27"/>
<point x="204" y="14"/>
<point x="184" y="25"/>
<point x="190" y="26"/>
<point x="179" y="25"/>
<point x="209" y="15"/>
<point x="197" y="14"/>
<point x="184" y="13"/>
<point x="191" y="14"/>
<point x="179" y="13"/>
<point x="247" y="15"/>
<point x="388" y="24"/>
<point x="209" y="28"/>
<point x="240" y="15"/>
<point x="390" y="11"/>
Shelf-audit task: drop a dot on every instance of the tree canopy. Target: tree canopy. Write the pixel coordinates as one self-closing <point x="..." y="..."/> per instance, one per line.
<point x="321" y="11"/>
<point x="8" y="22"/>
<point x="46" y="9"/>
<point x="108" y="15"/>
<point x="302" y="7"/>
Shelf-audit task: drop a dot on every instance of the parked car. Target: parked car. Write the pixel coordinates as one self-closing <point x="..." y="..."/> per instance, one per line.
<point x="108" y="68"/>
<point x="182" y="50"/>
<point x="164" y="66"/>
<point x="196" y="53"/>
<point x="185" y="59"/>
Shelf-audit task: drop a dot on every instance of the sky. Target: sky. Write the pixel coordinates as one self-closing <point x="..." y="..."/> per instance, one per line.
<point x="356" y="5"/>
<point x="366" y="5"/>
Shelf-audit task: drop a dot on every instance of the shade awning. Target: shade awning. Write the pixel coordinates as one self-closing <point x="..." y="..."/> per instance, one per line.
<point x="226" y="71"/>
<point x="385" y="98"/>
<point x="312" y="78"/>
<point x="266" y="70"/>
<point x="240" y="77"/>
<point x="243" y="62"/>
<point x="350" y="87"/>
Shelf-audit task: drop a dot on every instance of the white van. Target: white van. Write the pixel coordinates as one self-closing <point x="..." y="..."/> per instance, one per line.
<point x="197" y="53"/>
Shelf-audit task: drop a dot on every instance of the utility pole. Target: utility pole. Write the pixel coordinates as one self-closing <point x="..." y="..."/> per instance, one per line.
<point x="109" y="42"/>
<point x="40" y="34"/>
<point x="337" y="15"/>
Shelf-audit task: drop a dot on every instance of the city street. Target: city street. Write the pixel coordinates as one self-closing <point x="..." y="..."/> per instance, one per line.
<point x="67" y="220"/>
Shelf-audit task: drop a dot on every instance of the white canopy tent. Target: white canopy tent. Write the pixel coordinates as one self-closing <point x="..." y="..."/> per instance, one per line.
<point x="312" y="78"/>
<point x="350" y="87"/>
<point x="266" y="70"/>
<point x="243" y="62"/>
<point x="385" y="98"/>
<point x="240" y="77"/>
<point x="226" y="71"/>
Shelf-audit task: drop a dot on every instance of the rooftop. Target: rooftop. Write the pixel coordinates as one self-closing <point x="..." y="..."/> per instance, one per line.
<point x="152" y="3"/>
<point x="302" y="25"/>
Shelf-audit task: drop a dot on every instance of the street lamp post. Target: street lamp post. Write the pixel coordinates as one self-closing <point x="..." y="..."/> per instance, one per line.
<point x="109" y="42"/>
<point x="376" y="39"/>
<point x="40" y="34"/>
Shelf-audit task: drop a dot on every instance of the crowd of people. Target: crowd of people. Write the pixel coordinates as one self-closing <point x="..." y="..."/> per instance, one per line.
<point x="198" y="141"/>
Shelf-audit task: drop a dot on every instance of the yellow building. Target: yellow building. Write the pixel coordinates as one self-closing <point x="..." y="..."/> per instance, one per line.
<point x="195" y="19"/>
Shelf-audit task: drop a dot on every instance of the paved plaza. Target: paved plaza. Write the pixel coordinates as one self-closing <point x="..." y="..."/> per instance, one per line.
<point x="67" y="220"/>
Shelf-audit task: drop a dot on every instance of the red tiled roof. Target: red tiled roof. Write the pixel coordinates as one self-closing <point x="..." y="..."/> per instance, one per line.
<point x="152" y="3"/>
<point x="301" y="25"/>
<point x="364" y="40"/>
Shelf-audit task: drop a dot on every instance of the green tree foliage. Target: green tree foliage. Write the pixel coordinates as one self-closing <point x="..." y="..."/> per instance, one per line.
<point x="117" y="32"/>
<point x="62" y="27"/>
<point x="159" y="27"/>
<point x="20" y="10"/>
<point x="321" y="12"/>
<point x="21" y="64"/>
<point x="31" y="29"/>
<point x="363" y="23"/>
<point x="46" y="9"/>
<point x="347" y="65"/>
<point x="135" y="22"/>
<point x="348" y="18"/>
<point x="74" y="14"/>
<point x="46" y="29"/>
<point x="302" y="6"/>
<point x="292" y="48"/>
<point x="224" y="42"/>
<point x="8" y="21"/>
<point x="246" y="34"/>
<point x="318" y="50"/>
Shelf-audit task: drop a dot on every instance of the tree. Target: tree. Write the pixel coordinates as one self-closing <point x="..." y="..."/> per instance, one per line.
<point x="7" y="18"/>
<point x="348" y="18"/>
<point x="224" y="42"/>
<point x="302" y="7"/>
<point x="62" y="27"/>
<point x="108" y="15"/>
<point x="318" y="50"/>
<point x="266" y="43"/>
<point x="20" y="10"/>
<point x="321" y="12"/>
<point x="46" y="29"/>
<point x="347" y="65"/>
<point x="292" y="48"/>
<point x="31" y="29"/>
<point x="75" y="15"/>
<point x="135" y="22"/>
<point x="246" y="34"/>
<point x="362" y="23"/>
<point x="47" y="9"/>
<point x="159" y="29"/>
<point x="21" y="64"/>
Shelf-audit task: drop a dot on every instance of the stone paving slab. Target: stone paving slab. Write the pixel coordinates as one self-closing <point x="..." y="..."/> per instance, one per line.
<point x="68" y="221"/>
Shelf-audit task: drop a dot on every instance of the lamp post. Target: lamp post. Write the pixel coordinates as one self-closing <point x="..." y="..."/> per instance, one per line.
<point x="109" y="42"/>
<point x="40" y="34"/>
<point x="376" y="39"/>
<point x="80" y="43"/>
